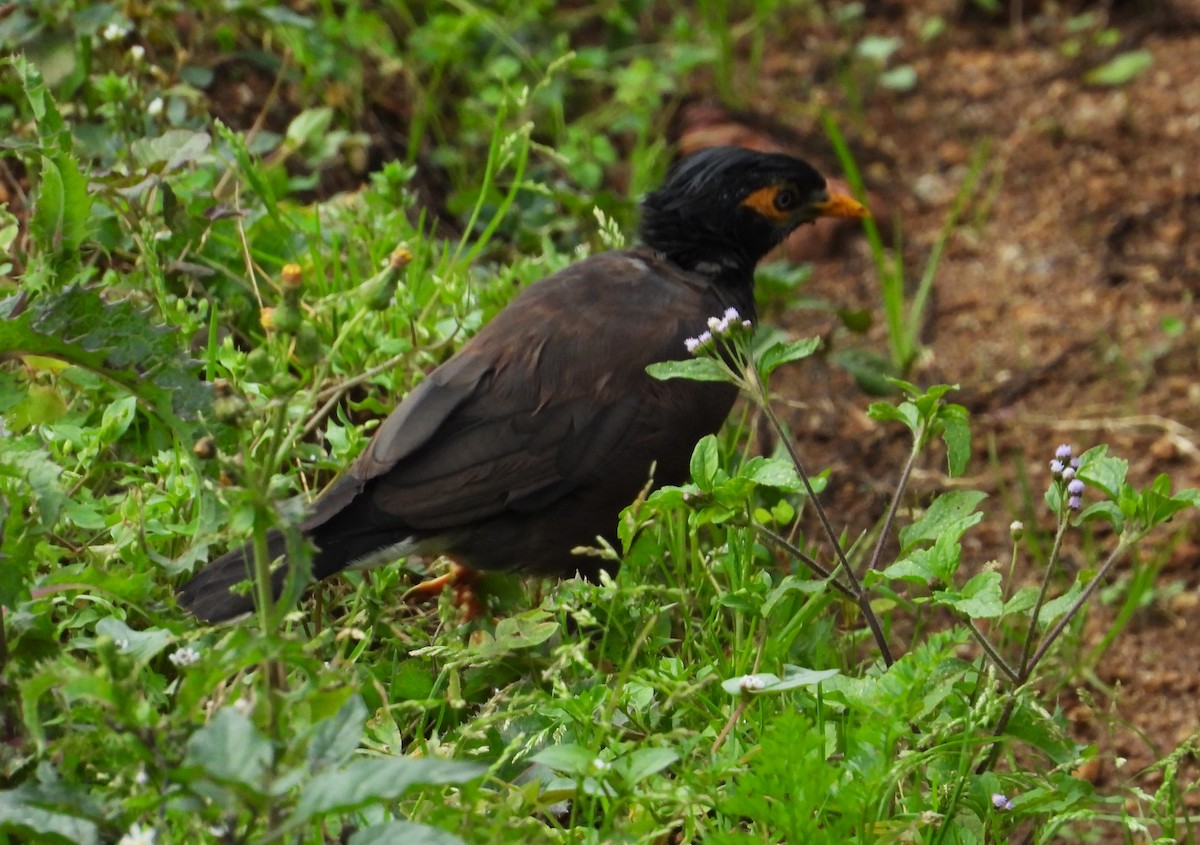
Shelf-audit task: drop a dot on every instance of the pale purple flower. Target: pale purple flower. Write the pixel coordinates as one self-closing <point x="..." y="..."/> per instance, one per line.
<point x="1075" y="503"/>
<point x="1001" y="802"/>
<point x="1068" y="473"/>
<point x="1063" y="452"/>
<point x="1075" y="488"/>
<point x="1057" y="466"/>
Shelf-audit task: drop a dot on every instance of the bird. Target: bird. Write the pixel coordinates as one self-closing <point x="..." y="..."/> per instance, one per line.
<point x="530" y="440"/>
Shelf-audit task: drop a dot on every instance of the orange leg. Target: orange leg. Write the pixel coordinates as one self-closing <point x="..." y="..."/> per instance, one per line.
<point x="461" y="578"/>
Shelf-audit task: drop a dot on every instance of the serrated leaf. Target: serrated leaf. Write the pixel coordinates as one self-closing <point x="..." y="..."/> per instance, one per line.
<point x="980" y="598"/>
<point x="34" y="466"/>
<point x="410" y="833"/>
<point x="696" y="369"/>
<point x="1098" y="468"/>
<point x="337" y="736"/>
<point x="375" y="780"/>
<point x="937" y="564"/>
<point x="229" y="749"/>
<point x="951" y="513"/>
<point x="118" y="340"/>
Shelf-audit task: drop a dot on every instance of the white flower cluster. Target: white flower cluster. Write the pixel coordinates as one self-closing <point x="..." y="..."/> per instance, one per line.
<point x="728" y="322"/>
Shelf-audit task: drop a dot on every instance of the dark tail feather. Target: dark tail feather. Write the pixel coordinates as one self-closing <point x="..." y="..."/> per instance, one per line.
<point x="207" y="595"/>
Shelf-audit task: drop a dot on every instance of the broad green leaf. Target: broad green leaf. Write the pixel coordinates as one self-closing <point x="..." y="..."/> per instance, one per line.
<point x="142" y="645"/>
<point x="980" y="598"/>
<point x="30" y="822"/>
<point x="1098" y="468"/>
<point x="408" y="833"/>
<point x="696" y="369"/>
<point x="174" y="149"/>
<point x="936" y="564"/>
<point x="951" y="513"/>
<point x="231" y="750"/>
<point x="781" y="353"/>
<point x="375" y="780"/>
<point x="640" y="764"/>
<point x="568" y="759"/>
<point x="336" y="737"/>
<point x="118" y="340"/>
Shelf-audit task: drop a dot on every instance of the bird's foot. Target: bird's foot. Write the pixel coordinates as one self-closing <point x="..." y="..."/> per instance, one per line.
<point x="462" y="579"/>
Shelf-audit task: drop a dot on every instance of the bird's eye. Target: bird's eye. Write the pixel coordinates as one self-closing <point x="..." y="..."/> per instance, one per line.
<point x="786" y="198"/>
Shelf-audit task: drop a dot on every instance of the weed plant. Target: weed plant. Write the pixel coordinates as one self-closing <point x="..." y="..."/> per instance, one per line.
<point x="192" y="345"/>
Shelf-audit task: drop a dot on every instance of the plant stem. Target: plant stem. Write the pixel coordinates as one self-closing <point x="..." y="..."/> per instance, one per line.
<point x="1031" y="633"/>
<point x="905" y="475"/>
<point x="857" y="591"/>
<point x="794" y="550"/>
<point x="993" y="653"/>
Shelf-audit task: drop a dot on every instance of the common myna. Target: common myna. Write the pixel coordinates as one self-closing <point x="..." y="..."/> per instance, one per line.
<point x="530" y="440"/>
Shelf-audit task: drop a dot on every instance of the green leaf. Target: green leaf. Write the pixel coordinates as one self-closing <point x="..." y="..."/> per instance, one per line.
<point x="906" y="412"/>
<point x="35" y="467"/>
<point x="956" y="433"/>
<point x="705" y="463"/>
<point x="309" y="126"/>
<point x="763" y="683"/>
<point x="642" y="763"/>
<point x="780" y="353"/>
<point x="118" y="340"/>
<point x="336" y="737"/>
<point x="980" y="598"/>
<point x="374" y="780"/>
<point x="1120" y="69"/>
<point x="1098" y="468"/>
<point x="141" y="645"/>
<point x="568" y="759"/>
<point x="936" y="564"/>
<point x="173" y="150"/>
<point x="33" y="823"/>
<point x="410" y="833"/>
<point x="229" y="749"/>
<point x="696" y="369"/>
<point x="951" y="513"/>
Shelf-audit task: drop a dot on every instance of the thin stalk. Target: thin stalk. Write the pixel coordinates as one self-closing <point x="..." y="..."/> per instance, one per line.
<point x="1062" y="623"/>
<point x="859" y="594"/>
<point x="993" y="653"/>
<point x="1031" y="633"/>
<point x="905" y="475"/>
<point x="795" y="551"/>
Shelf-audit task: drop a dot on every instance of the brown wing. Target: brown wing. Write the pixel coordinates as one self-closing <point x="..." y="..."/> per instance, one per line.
<point x="541" y="401"/>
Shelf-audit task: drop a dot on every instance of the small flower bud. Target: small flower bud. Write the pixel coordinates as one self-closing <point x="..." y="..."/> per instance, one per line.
<point x="1057" y="467"/>
<point x="1001" y="802"/>
<point x="1075" y="503"/>
<point x="205" y="448"/>
<point x="1063" y="452"/>
<point x="1017" y="529"/>
<point x="1075" y="488"/>
<point x="1068" y="473"/>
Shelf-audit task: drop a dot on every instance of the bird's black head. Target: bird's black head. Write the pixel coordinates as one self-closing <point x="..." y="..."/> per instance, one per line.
<point x="728" y="207"/>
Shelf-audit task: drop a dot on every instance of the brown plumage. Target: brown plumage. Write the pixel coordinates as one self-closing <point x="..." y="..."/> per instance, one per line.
<point x="531" y="439"/>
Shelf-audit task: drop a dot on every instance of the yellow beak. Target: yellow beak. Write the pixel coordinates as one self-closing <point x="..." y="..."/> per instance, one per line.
<point x="841" y="205"/>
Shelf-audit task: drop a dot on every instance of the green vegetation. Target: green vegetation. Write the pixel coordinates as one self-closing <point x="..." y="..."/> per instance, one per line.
<point x="196" y="327"/>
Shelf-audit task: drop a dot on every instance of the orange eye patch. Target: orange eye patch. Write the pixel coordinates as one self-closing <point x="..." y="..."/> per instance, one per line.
<point x="762" y="202"/>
